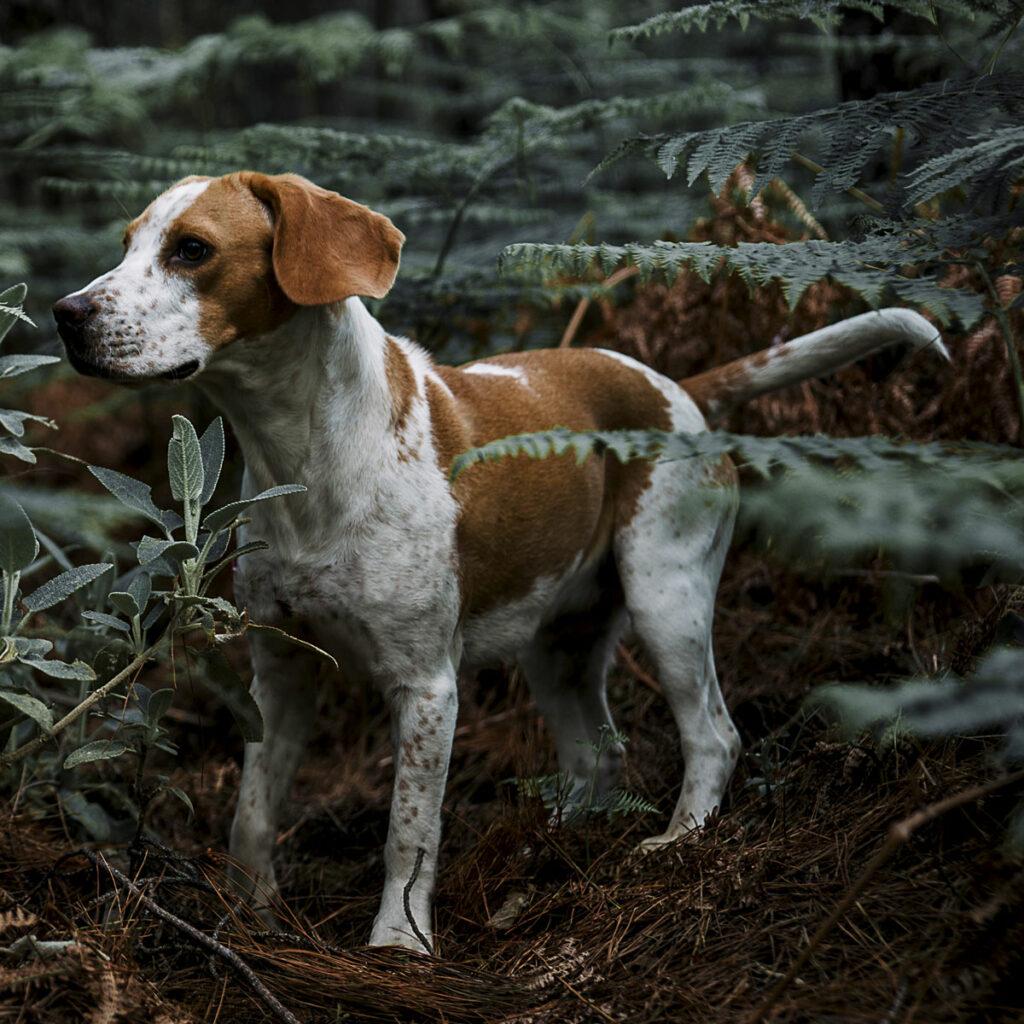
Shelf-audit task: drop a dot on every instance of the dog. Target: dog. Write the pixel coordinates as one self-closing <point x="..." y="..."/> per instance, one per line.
<point x="249" y="284"/>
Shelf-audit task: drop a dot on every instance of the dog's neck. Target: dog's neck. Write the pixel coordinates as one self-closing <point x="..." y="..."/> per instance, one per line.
<point x="309" y="404"/>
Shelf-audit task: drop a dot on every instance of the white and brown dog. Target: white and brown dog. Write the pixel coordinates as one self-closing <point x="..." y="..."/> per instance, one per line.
<point x="247" y="283"/>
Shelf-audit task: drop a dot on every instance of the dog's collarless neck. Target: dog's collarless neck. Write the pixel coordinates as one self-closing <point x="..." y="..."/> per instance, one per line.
<point x="308" y="402"/>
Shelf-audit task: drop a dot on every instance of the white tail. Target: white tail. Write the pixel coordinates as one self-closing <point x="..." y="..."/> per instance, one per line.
<point x="811" y="355"/>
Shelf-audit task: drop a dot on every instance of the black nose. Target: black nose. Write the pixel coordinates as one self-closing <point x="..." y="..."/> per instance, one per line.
<point x="73" y="311"/>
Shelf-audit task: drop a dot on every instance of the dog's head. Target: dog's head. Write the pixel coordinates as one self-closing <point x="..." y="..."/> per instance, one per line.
<point x="215" y="260"/>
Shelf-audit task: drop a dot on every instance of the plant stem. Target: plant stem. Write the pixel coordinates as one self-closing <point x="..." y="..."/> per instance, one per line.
<point x="1002" y="43"/>
<point x="80" y="709"/>
<point x="857" y="193"/>
<point x="10" y="589"/>
<point x="487" y="172"/>
<point x="1006" y="329"/>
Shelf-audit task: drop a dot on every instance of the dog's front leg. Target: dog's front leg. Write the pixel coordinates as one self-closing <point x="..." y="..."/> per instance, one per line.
<point x="423" y="723"/>
<point x="285" y="689"/>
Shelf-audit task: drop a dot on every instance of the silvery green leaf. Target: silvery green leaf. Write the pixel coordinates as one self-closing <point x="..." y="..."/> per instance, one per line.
<point x="184" y="798"/>
<point x="185" y="461"/>
<point x="103" y="619"/>
<point x="171" y="520"/>
<point x="61" y="669"/>
<point x="161" y="567"/>
<point x="30" y="706"/>
<point x="243" y="549"/>
<point x="12" y="298"/>
<point x="92" y="817"/>
<point x="153" y="614"/>
<point x="13" y="366"/>
<point x="32" y="647"/>
<point x="223" y="680"/>
<point x="55" y="550"/>
<point x="855" y="707"/>
<point x="140" y="588"/>
<point x="149" y="548"/>
<point x="248" y="548"/>
<point x="18" y="544"/>
<point x="124" y="602"/>
<point x="14" y="420"/>
<point x="219" y="547"/>
<point x="142" y="695"/>
<point x="97" y="750"/>
<point x="13" y="447"/>
<point x="56" y="590"/>
<point x="133" y="494"/>
<point x="212" y="446"/>
<point x="222" y="605"/>
<point x="158" y="705"/>
<point x="224" y="515"/>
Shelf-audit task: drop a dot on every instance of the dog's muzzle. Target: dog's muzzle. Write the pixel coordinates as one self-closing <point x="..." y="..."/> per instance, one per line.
<point x="73" y="314"/>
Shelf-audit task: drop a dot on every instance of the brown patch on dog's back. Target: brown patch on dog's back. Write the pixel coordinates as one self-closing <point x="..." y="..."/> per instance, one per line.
<point x="524" y="518"/>
<point x="401" y="383"/>
<point x="238" y="294"/>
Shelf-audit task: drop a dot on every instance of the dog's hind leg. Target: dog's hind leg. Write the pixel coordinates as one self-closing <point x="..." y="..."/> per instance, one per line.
<point x="670" y="558"/>
<point x="566" y="667"/>
<point x="285" y="691"/>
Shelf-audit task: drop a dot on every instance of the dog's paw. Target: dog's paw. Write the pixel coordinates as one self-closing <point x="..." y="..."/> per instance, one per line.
<point x="402" y="935"/>
<point x="653" y="844"/>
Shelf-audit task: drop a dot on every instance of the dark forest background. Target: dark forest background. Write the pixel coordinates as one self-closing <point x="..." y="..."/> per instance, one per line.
<point x="777" y="166"/>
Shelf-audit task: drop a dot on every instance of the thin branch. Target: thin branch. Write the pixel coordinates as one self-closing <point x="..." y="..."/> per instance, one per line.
<point x="622" y="274"/>
<point x="1006" y="329"/>
<point x="460" y="211"/>
<point x="80" y="709"/>
<point x="899" y="834"/>
<point x="247" y="974"/>
<point x="1002" y="44"/>
<point x="406" y="904"/>
<point x="857" y="193"/>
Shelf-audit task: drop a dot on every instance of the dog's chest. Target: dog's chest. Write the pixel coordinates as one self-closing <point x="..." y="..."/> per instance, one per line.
<point x="382" y="598"/>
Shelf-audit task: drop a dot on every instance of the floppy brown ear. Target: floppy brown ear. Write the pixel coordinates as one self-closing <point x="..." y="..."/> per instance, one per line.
<point x="326" y="247"/>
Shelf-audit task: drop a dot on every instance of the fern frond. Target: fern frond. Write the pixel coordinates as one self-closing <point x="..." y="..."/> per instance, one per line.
<point x="823" y="13"/>
<point x="705" y="95"/>
<point x="1000" y="151"/>
<point x="618" y="803"/>
<point x="855" y="131"/>
<point x="763" y="454"/>
<point x="870" y="268"/>
<point x="940" y="505"/>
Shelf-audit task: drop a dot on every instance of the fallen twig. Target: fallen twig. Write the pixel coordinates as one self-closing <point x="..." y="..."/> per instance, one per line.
<point x="246" y="973"/>
<point x="406" y="904"/>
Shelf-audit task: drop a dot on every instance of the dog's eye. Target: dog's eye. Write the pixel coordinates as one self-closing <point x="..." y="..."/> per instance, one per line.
<point x="191" y="250"/>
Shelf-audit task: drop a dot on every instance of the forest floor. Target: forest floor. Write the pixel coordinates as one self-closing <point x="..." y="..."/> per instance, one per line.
<point x="541" y="923"/>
